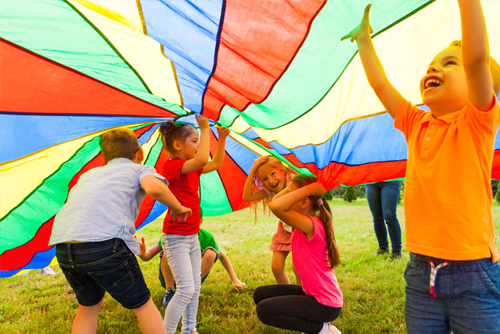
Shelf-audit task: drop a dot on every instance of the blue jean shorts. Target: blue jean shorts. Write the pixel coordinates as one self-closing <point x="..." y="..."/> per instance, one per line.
<point x="467" y="296"/>
<point x="92" y="268"/>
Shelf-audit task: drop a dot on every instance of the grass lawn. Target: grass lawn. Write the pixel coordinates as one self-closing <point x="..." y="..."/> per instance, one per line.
<point x="373" y="287"/>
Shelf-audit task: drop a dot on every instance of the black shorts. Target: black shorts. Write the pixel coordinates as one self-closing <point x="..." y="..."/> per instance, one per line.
<point x="91" y="268"/>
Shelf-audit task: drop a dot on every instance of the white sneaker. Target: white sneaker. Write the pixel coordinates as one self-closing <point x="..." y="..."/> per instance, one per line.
<point x="48" y="271"/>
<point x="333" y="330"/>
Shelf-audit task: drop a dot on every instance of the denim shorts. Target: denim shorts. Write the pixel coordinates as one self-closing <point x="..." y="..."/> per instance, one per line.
<point x="91" y="268"/>
<point x="467" y="296"/>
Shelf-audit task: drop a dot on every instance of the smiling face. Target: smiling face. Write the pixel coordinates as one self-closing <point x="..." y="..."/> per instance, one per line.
<point x="272" y="176"/>
<point x="444" y="87"/>
<point x="189" y="146"/>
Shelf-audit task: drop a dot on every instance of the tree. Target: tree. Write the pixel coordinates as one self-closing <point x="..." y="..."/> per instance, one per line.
<point x="349" y="195"/>
<point x="328" y="195"/>
<point x="497" y="197"/>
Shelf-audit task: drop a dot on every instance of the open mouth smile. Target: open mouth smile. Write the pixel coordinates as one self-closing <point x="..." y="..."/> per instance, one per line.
<point x="432" y="82"/>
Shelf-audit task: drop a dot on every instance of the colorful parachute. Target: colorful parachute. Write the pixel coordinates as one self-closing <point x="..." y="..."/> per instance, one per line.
<point x="274" y="72"/>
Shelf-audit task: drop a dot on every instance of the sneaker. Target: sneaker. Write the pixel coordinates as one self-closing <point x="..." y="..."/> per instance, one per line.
<point x="381" y="251"/>
<point x="395" y="255"/>
<point x="48" y="271"/>
<point x="333" y="330"/>
<point x="167" y="297"/>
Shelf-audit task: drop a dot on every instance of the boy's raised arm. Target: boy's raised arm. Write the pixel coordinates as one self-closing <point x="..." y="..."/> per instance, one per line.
<point x="374" y="71"/>
<point x="475" y="53"/>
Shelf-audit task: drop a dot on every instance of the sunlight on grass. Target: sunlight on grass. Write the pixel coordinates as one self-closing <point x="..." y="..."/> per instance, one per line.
<point x="373" y="287"/>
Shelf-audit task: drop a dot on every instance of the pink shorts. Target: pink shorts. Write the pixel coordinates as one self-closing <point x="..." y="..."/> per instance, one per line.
<point x="282" y="240"/>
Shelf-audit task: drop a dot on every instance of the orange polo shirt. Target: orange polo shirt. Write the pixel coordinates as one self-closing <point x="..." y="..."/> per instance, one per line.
<point x="448" y="196"/>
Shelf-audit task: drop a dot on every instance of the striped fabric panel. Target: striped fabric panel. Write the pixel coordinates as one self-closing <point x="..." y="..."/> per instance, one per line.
<point x="44" y="201"/>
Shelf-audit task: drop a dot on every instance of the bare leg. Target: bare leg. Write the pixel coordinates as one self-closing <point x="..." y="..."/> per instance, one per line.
<point x="86" y="319"/>
<point x="207" y="262"/>
<point x="149" y="318"/>
<point x="278" y="267"/>
<point x="168" y="277"/>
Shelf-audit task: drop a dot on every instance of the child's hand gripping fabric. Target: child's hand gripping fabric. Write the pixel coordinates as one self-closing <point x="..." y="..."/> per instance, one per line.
<point x="363" y="28"/>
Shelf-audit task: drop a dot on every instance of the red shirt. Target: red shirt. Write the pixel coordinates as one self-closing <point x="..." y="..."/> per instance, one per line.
<point x="185" y="189"/>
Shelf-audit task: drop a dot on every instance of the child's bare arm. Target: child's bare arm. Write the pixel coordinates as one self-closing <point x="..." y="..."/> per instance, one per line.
<point x="220" y="151"/>
<point x="248" y="193"/>
<point x="147" y="255"/>
<point x="160" y="192"/>
<point x="282" y="207"/>
<point x="475" y="53"/>
<point x="385" y="91"/>
<point x="224" y="260"/>
<point x="203" y="151"/>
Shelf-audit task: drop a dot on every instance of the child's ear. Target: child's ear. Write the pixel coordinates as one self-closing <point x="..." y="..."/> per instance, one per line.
<point x="305" y="202"/>
<point x="139" y="155"/>
<point x="177" y="145"/>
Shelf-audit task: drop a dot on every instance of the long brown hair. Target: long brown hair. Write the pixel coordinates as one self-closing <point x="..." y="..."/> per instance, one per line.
<point x="258" y="185"/>
<point x="324" y="213"/>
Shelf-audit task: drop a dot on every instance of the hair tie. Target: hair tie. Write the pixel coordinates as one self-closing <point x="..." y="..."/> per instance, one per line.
<point x="319" y="201"/>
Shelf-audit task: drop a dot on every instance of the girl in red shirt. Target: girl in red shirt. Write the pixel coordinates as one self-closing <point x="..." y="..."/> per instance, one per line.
<point x="189" y="153"/>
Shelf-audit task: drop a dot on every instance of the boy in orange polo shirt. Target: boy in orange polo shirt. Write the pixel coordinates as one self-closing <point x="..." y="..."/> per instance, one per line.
<point x="453" y="276"/>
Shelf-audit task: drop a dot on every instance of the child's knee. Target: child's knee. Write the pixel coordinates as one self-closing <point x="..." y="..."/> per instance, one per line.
<point x="277" y="268"/>
<point x="209" y="256"/>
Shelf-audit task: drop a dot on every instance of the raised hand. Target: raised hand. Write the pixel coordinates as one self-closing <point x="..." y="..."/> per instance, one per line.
<point x="142" y="245"/>
<point x="223" y="132"/>
<point x="364" y="27"/>
<point x="317" y="189"/>
<point x="202" y="122"/>
<point x="260" y="161"/>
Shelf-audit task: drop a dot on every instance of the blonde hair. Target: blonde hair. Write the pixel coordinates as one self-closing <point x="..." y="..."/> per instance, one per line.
<point x="324" y="213"/>
<point x="119" y="143"/>
<point x="257" y="185"/>
<point x="494" y="68"/>
<point x="171" y="131"/>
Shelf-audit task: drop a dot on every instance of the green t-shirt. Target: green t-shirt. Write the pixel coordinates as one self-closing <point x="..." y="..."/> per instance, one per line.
<point x="206" y="240"/>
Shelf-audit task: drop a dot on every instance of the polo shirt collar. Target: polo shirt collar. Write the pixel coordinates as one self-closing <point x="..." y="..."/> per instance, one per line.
<point x="117" y="161"/>
<point x="448" y="118"/>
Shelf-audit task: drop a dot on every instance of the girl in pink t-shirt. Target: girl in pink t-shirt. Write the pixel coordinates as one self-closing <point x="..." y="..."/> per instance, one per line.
<point x="311" y="307"/>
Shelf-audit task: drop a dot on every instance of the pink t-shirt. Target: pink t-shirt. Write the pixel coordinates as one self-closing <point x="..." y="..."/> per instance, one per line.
<point x="310" y="259"/>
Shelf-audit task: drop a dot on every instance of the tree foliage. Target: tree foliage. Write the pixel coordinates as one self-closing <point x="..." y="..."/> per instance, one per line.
<point x="349" y="195"/>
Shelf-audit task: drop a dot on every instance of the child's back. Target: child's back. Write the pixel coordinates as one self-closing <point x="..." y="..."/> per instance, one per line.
<point x="104" y="204"/>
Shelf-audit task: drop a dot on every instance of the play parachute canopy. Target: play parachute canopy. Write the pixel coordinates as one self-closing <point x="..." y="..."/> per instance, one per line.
<point x="274" y="72"/>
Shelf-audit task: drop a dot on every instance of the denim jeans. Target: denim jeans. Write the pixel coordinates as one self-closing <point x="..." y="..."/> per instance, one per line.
<point x="91" y="268"/>
<point x="468" y="297"/>
<point x="184" y="258"/>
<point x="383" y="201"/>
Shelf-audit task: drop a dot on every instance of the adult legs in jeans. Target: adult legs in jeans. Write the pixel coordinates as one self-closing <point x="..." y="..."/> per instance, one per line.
<point x="184" y="258"/>
<point x="468" y="297"/>
<point x="287" y="306"/>
<point x="383" y="201"/>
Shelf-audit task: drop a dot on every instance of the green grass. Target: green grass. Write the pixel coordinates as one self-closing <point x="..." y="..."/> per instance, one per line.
<point x="373" y="287"/>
